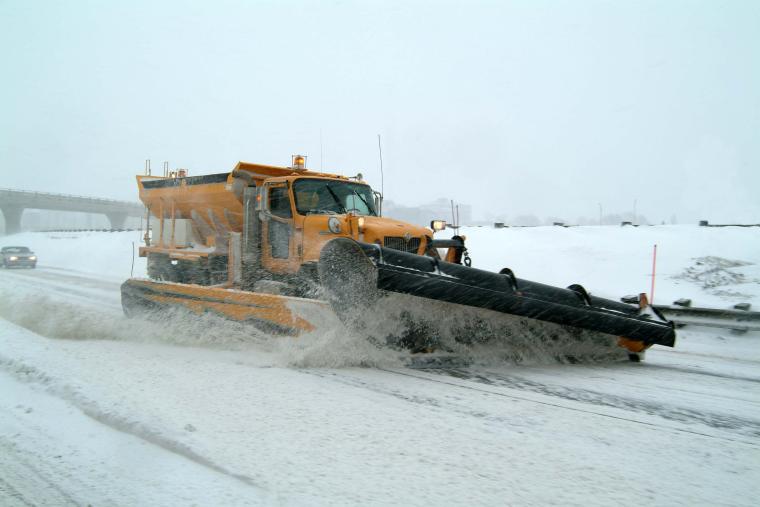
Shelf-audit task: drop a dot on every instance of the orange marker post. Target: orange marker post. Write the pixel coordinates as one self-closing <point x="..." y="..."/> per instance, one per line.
<point x="654" y="269"/>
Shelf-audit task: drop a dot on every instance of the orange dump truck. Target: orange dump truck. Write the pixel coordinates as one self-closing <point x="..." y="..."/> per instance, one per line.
<point x="276" y="246"/>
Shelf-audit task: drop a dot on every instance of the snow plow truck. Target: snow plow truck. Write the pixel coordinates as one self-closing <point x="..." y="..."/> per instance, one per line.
<point x="281" y="247"/>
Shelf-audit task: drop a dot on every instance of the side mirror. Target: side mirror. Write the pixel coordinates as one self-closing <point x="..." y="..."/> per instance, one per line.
<point x="378" y="203"/>
<point x="438" y="225"/>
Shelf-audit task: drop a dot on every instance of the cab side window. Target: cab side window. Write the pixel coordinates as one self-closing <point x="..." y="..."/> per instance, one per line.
<point x="279" y="202"/>
<point x="279" y="230"/>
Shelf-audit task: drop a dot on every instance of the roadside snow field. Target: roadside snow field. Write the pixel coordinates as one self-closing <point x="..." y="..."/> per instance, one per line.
<point x="613" y="261"/>
<point x="106" y="254"/>
<point x="100" y="410"/>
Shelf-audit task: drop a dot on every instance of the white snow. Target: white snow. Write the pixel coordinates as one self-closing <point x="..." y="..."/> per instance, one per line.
<point x="613" y="261"/>
<point x="97" y="409"/>
<point x="106" y="254"/>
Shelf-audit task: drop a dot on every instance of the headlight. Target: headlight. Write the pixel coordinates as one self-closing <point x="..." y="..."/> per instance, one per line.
<point x="334" y="225"/>
<point x="13" y="258"/>
<point x="33" y="258"/>
<point x="438" y="225"/>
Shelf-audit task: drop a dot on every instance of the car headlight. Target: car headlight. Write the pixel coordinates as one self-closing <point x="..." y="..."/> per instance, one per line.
<point x="13" y="258"/>
<point x="33" y="258"/>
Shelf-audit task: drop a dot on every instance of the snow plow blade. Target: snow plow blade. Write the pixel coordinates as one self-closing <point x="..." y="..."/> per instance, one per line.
<point x="352" y="272"/>
<point x="268" y="312"/>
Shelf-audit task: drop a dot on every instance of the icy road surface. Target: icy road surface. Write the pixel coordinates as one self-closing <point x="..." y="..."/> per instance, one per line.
<point x="97" y="409"/>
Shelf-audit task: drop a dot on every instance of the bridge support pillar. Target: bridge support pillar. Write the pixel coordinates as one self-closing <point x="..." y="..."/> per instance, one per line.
<point x="12" y="215"/>
<point x="117" y="219"/>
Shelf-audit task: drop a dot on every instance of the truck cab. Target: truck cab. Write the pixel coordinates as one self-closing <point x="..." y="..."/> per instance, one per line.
<point x="300" y="214"/>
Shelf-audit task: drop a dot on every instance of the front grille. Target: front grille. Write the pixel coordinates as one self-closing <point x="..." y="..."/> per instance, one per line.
<point x="399" y="243"/>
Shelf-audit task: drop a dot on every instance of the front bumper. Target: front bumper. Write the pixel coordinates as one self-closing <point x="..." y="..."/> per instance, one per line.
<point x="20" y="263"/>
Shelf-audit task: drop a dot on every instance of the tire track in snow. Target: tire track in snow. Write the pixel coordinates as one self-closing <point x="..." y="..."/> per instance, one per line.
<point x="743" y="426"/>
<point x="66" y="276"/>
<point x="90" y="408"/>
<point x="576" y="409"/>
<point x="473" y="386"/>
<point x="711" y="356"/>
<point x="696" y="371"/>
<point x="33" y="484"/>
<point x="86" y="290"/>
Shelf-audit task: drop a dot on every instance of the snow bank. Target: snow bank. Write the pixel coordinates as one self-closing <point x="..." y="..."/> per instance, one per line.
<point x="612" y="261"/>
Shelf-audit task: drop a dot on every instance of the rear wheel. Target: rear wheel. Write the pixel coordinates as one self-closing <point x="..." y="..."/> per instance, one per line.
<point x="157" y="266"/>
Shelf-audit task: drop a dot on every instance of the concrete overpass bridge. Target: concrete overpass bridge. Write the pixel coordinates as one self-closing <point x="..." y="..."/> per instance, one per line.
<point x="14" y="202"/>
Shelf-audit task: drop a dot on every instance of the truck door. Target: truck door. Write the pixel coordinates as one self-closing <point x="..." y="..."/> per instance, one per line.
<point x="277" y="230"/>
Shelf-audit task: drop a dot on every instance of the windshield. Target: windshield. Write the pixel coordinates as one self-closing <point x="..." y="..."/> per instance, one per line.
<point x="15" y="249"/>
<point x="330" y="196"/>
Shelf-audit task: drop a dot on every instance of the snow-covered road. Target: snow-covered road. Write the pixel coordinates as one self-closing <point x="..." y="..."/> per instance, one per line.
<point x="97" y="409"/>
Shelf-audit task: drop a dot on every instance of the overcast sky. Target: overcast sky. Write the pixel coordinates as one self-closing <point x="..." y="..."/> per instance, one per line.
<point x="525" y="107"/>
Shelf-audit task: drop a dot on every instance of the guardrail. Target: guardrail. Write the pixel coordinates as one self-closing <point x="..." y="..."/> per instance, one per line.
<point x="739" y="321"/>
<point x="89" y="230"/>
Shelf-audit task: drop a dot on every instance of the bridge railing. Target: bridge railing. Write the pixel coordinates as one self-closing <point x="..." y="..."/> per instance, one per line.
<point x="69" y="196"/>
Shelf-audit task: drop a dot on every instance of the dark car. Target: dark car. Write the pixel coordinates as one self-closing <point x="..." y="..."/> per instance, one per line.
<point x="18" y="256"/>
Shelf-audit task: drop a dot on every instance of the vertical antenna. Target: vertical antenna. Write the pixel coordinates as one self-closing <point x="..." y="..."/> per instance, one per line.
<point x="321" y="158"/>
<point x="457" y="217"/>
<point x="382" y="179"/>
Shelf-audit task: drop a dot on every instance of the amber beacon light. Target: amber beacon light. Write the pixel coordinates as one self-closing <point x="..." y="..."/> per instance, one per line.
<point x="299" y="162"/>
